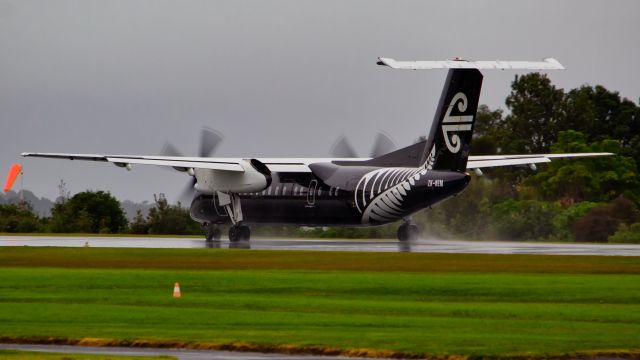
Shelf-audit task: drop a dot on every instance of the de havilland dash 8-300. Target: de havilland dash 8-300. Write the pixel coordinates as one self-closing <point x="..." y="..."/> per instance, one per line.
<point x="348" y="191"/>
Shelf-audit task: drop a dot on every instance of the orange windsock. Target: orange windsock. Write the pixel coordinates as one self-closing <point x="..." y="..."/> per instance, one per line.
<point x="14" y="171"/>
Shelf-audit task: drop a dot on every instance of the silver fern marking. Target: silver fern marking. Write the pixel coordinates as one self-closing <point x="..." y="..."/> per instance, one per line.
<point x="386" y="190"/>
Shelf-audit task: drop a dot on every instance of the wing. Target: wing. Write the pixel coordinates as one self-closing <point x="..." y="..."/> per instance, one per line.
<point x="177" y="162"/>
<point x="478" y="162"/>
<point x="182" y="163"/>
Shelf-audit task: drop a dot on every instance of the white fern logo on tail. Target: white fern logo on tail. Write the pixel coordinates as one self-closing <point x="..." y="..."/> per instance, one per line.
<point x="451" y="125"/>
<point x="380" y="194"/>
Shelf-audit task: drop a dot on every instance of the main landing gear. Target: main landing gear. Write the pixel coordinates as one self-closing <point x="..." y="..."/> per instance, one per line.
<point x="239" y="232"/>
<point x="408" y="232"/>
<point x="231" y="203"/>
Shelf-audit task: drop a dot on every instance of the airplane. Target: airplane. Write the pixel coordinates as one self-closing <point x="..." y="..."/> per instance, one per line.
<point x="348" y="191"/>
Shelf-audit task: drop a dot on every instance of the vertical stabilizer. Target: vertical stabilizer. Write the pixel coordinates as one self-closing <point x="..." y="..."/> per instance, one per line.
<point x="448" y="144"/>
<point x="449" y="139"/>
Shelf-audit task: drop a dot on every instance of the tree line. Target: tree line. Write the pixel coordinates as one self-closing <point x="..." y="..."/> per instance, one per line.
<point x="593" y="200"/>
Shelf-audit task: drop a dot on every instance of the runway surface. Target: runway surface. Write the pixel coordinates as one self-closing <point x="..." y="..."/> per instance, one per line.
<point x="429" y="245"/>
<point x="178" y="353"/>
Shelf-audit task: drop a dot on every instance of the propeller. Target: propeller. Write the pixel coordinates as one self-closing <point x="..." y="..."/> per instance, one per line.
<point x="210" y="139"/>
<point x="383" y="144"/>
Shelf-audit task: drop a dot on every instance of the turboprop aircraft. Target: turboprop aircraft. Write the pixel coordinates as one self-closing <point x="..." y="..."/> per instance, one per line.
<point x="348" y="191"/>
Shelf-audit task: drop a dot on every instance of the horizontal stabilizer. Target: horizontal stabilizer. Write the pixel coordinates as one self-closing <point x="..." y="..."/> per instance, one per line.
<point x="546" y="64"/>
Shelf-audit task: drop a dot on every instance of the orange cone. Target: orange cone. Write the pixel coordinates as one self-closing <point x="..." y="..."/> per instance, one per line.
<point x="176" y="290"/>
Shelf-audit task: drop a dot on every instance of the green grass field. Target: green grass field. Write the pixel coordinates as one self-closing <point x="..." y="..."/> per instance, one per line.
<point x="390" y="303"/>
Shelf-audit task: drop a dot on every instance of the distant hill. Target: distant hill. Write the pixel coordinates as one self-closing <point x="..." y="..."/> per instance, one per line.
<point x="41" y="206"/>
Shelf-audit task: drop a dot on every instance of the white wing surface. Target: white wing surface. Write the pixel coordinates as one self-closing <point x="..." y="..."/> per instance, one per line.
<point x="183" y="163"/>
<point x="546" y="64"/>
<point x="478" y="162"/>
<point x="289" y="164"/>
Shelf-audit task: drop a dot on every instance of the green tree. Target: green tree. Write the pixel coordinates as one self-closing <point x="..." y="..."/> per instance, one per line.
<point x="593" y="179"/>
<point x="626" y="234"/>
<point x="467" y="215"/>
<point x="488" y="130"/>
<point x="524" y="219"/>
<point x="603" y="221"/>
<point x="165" y="218"/>
<point x="18" y="218"/>
<point x="535" y="106"/>
<point x="564" y="221"/>
<point x="139" y="224"/>
<point x="88" y="211"/>
<point x="602" y="114"/>
<point x="579" y="112"/>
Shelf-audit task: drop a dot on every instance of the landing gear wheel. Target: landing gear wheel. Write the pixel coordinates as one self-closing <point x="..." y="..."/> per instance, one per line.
<point x="211" y="232"/>
<point x="408" y="232"/>
<point x="239" y="233"/>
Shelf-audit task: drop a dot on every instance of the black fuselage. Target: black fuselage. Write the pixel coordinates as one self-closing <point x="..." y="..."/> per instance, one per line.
<point x="349" y="196"/>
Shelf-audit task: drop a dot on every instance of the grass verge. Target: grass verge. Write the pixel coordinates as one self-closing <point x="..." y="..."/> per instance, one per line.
<point x="358" y="304"/>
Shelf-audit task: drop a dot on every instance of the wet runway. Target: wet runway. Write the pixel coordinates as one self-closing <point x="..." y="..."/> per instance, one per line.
<point x="428" y="245"/>
<point x="178" y="353"/>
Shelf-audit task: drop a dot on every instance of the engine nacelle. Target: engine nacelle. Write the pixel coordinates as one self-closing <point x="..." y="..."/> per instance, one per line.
<point x="255" y="177"/>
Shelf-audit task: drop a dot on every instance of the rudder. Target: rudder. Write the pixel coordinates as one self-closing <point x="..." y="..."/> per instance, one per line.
<point x="448" y="145"/>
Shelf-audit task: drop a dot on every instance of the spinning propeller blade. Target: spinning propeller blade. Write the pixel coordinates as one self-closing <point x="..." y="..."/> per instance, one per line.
<point x="383" y="144"/>
<point x="342" y="148"/>
<point x="210" y="139"/>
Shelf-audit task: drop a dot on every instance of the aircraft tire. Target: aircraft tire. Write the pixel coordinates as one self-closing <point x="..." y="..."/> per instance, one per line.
<point x="234" y="233"/>
<point x="212" y="232"/>
<point x="245" y="233"/>
<point x="408" y="232"/>
<point x="239" y="233"/>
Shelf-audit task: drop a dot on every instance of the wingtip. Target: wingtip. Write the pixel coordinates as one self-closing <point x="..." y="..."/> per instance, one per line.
<point x="385" y="61"/>
<point x="555" y="63"/>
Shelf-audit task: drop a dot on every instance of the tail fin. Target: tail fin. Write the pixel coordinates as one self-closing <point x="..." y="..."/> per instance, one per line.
<point x="447" y="145"/>
<point x="449" y="141"/>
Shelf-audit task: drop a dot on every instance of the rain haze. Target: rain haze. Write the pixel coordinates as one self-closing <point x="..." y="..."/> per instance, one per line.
<point x="277" y="78"/>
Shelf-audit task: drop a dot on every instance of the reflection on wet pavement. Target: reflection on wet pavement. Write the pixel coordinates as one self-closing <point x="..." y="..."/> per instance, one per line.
<point x="423" y="245"/>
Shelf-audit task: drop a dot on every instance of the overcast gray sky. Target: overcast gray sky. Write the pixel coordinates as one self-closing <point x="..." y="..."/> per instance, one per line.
<point x="277" y="78"/>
